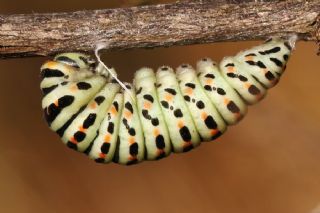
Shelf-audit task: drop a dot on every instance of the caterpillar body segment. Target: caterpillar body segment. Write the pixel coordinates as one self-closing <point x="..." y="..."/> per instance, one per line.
<point x="208" y="121"/>
<point x="54" y="72"/>
<point x="76" y="60"/>
<point x="161" y="112"/>
<point x="104" y="145"/>
<point x="270" y="57"/>
<point x="130" y="146"/>
<point x="84" y="128"/>
<point x="65" y="91"/>
<point x="157" y="140"/>
<point x="182" y="131"/>
<point x="227" y="101"/>
<point x="248" y="87"/>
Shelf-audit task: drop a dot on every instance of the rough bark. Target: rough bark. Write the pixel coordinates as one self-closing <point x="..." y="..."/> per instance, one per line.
<point x="189" y="22"/>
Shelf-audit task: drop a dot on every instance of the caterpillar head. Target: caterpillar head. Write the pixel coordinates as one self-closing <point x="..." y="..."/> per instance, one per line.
<point x="76" y="60"/>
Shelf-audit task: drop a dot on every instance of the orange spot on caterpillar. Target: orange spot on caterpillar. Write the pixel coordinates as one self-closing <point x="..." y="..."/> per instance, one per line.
<point x="238" y="116"/>
<point x="93" y="105"/>
<point x="51" y="64"/>
<point x="73" y="140"/>
<point x="107" y="138"/>
<point x="168" y="97"/>
<point x="130" y="158"/>
<point x="131" y="140"/>
<point x="226" y="101"/>
<point x="231" y="69"/>
<point x="102" y="155"/>
<point x="180" y="124"/>
<point x="113" y="110"/>
<point x="214" y="132"/>
<point x="127" y="114"/>
<point x="209" y="81"/>
<point x="249" y="58"/>
<point x="56" y="103"/>
<point x="73" y="87"/>
<point x="188" y="91"/>
<point x="247" y="85"/>
<point x="204" y="115"/>
<point x="156" y="132"/>
<point x="81" y="129"/>
<point x="187" y="144"/>
<point x="146" y="105"/>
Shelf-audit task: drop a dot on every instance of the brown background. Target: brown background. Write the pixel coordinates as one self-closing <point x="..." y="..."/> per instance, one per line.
<point x="267" y="163"/>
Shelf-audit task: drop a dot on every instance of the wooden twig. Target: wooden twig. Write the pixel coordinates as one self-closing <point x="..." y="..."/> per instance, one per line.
<point x="190" y="22"/>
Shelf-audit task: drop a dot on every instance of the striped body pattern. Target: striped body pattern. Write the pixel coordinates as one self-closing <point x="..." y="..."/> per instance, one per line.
<point x="160" y="112"/>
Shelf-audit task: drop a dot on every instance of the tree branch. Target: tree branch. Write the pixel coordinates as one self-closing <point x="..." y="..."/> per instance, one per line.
<point x="190" y="22"/>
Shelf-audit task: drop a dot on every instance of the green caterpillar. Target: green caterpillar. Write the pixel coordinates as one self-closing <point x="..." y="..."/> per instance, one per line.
<point x="160" y="112"/>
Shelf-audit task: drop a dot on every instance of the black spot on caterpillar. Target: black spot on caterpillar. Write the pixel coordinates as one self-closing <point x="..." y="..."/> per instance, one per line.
<point x="161" y="112"/>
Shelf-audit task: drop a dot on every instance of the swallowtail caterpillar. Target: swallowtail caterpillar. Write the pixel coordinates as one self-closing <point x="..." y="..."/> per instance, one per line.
<point x="159" y="113"/>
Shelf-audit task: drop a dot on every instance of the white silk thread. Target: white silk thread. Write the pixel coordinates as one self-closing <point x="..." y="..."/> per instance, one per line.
<point x="99" y="47"/>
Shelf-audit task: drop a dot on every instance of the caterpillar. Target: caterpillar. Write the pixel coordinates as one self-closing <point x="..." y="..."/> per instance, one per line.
<point x="160" y="112"/>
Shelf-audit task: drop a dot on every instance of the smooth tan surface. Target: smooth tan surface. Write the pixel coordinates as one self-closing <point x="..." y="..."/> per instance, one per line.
<point x="268" y="163"/>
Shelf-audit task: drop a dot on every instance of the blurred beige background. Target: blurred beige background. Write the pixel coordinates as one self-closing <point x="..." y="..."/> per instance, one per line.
<point x="269" y="163"/>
